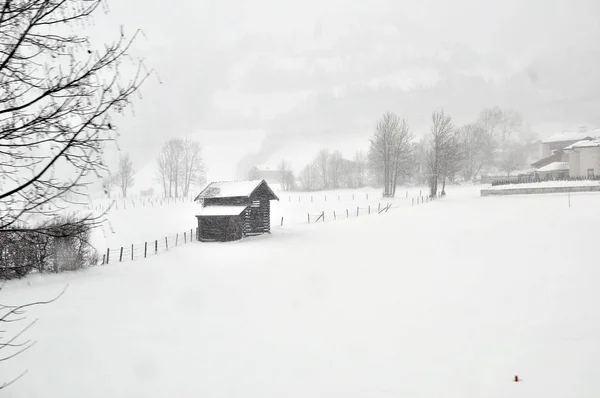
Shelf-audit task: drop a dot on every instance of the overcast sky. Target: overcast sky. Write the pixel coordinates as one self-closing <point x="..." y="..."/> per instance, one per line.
<point x="316" y="73"/>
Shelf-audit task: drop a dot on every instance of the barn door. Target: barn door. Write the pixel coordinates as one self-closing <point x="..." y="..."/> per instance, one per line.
<point x="256" y="220"/>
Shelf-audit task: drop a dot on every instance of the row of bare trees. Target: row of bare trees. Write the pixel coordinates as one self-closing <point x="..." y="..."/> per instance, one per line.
<point x="122" y="179"/>
<point x="180" y="166"/>
<point x="330" y="170"/>
<point x="495" y="141"/>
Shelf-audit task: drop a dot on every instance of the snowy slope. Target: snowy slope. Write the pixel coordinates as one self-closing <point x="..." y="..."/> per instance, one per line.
<point x="451" y="300"/>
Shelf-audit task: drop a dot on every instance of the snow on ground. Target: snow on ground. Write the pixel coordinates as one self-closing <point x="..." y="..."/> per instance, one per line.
<point x="450" y="299"/>
<point x="145" y="223"/>
<point x="545" y="184"/>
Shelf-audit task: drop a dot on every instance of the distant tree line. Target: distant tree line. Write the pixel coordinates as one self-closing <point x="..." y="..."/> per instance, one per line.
<point x="496" y="142"/>
<point x="331" y="170"/>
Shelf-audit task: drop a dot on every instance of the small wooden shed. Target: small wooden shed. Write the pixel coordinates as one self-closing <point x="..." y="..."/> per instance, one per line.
<point x="232" y="210"/>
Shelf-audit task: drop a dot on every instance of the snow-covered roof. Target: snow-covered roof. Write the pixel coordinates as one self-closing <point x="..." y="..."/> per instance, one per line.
<point x="555" y="166"/>
<point x="231" y="189"/>
<point x="567" y="136"/>
<point x="221" y="210"/>
<point x="584" y="144"/>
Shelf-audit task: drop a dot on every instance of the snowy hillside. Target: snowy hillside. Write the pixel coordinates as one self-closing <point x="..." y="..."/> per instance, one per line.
<point x="451" y="299"/>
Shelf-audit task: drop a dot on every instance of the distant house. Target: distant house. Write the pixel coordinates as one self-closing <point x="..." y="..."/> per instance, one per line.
<point x="562" y="140"/>
<point x="584" y="158"/>
<point x="232" y="210"/>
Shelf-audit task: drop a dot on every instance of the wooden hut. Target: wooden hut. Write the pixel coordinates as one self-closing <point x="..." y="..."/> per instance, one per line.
<point x="232" y="210"/>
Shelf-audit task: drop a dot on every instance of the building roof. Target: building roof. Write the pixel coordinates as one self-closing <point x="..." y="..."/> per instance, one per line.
<point x="233" y="189"/>
<point x="584" y="144"/>
<point x="567" y="136"/>
<point x="555" y="157"/>
<point x="556" y="166"/>
<point x="221" y="210"/>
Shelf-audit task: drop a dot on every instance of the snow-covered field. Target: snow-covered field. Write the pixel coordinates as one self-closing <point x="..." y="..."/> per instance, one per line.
<point x="451" y="299"/>
<point x="137" y="224"/>
<point x="546" y="184"/>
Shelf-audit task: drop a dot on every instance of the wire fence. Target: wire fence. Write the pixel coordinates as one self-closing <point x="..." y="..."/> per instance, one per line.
<point x="149" y="248"/>
<point x="125" y="204"/>
<point x="334" y="214"/>
<point x="339" y="197"/>
<point x="132" y="252"/>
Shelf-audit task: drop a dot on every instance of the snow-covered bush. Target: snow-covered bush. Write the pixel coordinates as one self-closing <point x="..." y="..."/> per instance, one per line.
<point x="62" y="244"/>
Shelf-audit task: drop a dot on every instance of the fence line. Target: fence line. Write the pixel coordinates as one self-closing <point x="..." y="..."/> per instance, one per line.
<point x="132" y="252"/>
<point x="149" y="248"/>
<point x="124" y="204"/>
<point x="354" y="212"/>
<point x="334" y="197"/>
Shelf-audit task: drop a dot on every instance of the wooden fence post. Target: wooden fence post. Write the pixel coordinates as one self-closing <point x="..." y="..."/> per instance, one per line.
<point x="107" y="255"/>
<point x="357" y="211"/>
<point x="103" y="258"/>
<point x="156" y="246"/>
<point x="132" y="252"/>
<point x="308" y="218"/>
<point x="323" y="215"/>
<point x="412" y="202"/>
<point x="407" y="194"/>
<point x="121" y="255"/>
<point x="191" y="234"/>
<point x="176" y="239"/>
<point x="282" y="221"/>
<point x="145" y="249"/>
<point x="166" y="243"/>
<point x="325" y="198"/>
<point x="184" y="238"/>
<point x="379" y="207"/>
<point x="347" y="214"/>
<point x="334" y="217"/>
<point x="369" y="209"/>
<point x="367" y="196"/>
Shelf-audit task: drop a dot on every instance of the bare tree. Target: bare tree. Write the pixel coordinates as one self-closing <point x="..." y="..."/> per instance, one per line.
<point x="168" y="166"/>
<point x="511" y="122"/>
<point x="125" y="174"/>
<point x="335" y="169"/>
<point x="490" y="119"/>
<point x="391" y="151"/>
<point x="254" y="173"/>
<point x="14" y="345"/>
<point x="180" y="166"/>
<point x="108" y="183"/>
<point x="282" y="168"/>
<point x="360" y="169"/>
<point x="513" y="158"/>
<point x="309" y="177"/>
<point x="193" y="168"/>
<point x="478" y="148"/>
<point x="57" y="93"/>
<point x="321" y="163"/>
<point x="443" y="154"/>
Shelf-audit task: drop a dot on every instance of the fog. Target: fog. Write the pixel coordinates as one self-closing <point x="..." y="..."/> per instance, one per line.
<point x="256" y="81"/>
